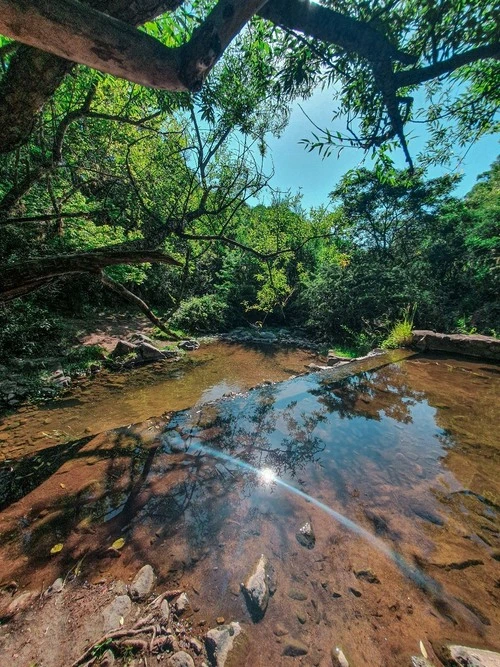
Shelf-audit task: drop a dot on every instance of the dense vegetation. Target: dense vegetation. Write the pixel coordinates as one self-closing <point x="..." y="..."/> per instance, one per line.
<point x="122" y="193"/>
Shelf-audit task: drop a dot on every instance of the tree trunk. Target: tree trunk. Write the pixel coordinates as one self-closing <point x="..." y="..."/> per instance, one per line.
<point x="21" y="279"/>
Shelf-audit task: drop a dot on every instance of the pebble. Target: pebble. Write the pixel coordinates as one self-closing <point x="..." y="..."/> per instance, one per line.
<point x="297" y="594"/>
<point x="294" y="648"/>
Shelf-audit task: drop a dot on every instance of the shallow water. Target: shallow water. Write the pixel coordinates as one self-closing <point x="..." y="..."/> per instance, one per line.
<point x="116" y="399"/>
<point x="407" y="452"/>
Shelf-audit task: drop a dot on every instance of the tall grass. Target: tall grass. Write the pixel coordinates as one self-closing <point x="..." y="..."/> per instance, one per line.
<point x="400" y="333"/>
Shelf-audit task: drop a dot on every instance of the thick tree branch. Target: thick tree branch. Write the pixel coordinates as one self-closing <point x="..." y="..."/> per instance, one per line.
<point x="416" y="76"/>
<point x="332" y="27"/>
<point x="33" y="75"/>
<point x="47" y="217"/>
<point x="25" y="277"/>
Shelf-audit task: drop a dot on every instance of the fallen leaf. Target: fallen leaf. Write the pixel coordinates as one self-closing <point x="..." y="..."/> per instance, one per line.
<point x="423" y="651"/>
<point x="57" y="548"/>
<point x="63" y="486"/>
<point x="121" y="620"/>
<point x="117" y="544"/>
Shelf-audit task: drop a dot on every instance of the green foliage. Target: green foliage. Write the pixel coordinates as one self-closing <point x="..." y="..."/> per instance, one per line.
<point x="201" y="314"/>
<point x="28" y="330"/>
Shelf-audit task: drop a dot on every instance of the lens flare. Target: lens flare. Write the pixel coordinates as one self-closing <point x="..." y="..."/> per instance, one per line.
<point x="267" y="475"/>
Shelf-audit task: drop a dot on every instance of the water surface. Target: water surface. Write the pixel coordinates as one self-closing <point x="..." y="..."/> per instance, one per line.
<point x="408" y="452"/>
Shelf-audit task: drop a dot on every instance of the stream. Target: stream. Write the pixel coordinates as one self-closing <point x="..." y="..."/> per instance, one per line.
<point x="395" y="464"/>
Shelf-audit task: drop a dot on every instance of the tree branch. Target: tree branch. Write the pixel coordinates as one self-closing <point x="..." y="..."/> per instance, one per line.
<point x="25" y="277"/>
<point x="137" y="301"/>
<point x="47" y="217"/>
<point x="416" y="76"/>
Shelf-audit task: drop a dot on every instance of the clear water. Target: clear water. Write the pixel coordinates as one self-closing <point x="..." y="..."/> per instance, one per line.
<point x="397" y="468"/>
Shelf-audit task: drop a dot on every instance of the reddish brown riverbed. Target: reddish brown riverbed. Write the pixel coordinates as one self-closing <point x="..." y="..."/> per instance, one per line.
<point x="407" y="452"/>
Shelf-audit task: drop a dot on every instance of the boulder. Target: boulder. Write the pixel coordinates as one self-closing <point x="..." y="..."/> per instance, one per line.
<point x="420" y="661"/>
<point x="220" y="641"/>
<point x="485" y="347"/>
<point x="305" y="536"/>
<point x="180" y="659"/>
<point x="122" y="348"/>
<point x="143" y="583"/>
<point x="148" y="352"/>
<point x="256" y="589"/>
<point x="115" y="611"/>
<point x="464" y="656"/>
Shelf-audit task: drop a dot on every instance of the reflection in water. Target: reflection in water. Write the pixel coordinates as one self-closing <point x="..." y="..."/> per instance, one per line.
<point x="405" y="456"/>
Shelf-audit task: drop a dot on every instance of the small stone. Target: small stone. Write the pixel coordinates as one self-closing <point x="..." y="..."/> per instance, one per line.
<point x="301" y="617"/>
<point x="280" y="630"/>
<point x="115" y="611"/>
<point x="220" y="620"/>
<point x="143" y="583"/>
<point x="220" y="641"/>
<point x="338" y="658"/>
<point x="165" y="611"/>
<point x="57" y="586"/>
<point x="368" y="576"/>
<point x="297" y="594"/>
<point x="294" y="648"/>
<point x="181" y="604"/>
<point x="356" y="593"/>
<point x="180" y="659"/>
<point x="305" y="536"/>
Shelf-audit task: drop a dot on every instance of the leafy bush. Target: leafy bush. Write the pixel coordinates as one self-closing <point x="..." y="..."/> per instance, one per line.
<point x="28" y="330"/>
<point x="201" y="314"/>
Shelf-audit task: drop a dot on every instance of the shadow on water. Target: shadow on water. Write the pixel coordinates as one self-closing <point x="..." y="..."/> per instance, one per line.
<point x="404" y="456"/>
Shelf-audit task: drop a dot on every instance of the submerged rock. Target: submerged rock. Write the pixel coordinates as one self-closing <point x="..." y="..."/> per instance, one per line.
<point x="143" y="583"/>
<point x="464" y="656"/>
<point x="256" y="588"/>
<point x="117" y="609"/>
<point x="220" y="641"/>
<point x="305" y="536"/>
<point x="420" y="661"/>
<point x="367" y="575"/>
<point x="294" y="648"/>
<point x="338" y="658"/>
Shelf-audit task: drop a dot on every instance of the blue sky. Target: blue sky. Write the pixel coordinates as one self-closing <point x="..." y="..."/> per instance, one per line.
<point x="296" y="169"/>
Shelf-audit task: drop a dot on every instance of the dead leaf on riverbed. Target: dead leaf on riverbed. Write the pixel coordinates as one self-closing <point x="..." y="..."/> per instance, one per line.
<point x="57" y="548"/>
